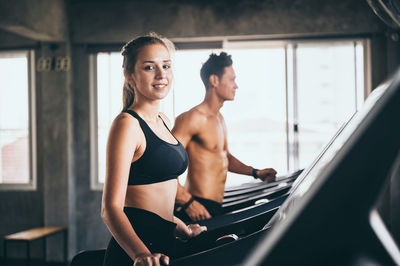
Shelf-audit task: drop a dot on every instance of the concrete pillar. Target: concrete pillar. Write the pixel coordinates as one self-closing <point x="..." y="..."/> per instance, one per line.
<point x="55" y="105"/>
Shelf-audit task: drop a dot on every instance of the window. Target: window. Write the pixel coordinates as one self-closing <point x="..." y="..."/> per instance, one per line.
<point x="329" y="89"/>
<point x="108" y="103"/>
<point x="256" y="119"/>
<point x="273" y="120"/>
<point x="17" y="130"/>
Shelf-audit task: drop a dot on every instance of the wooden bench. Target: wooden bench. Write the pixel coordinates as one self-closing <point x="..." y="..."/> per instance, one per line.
<point x="37" y="233"/>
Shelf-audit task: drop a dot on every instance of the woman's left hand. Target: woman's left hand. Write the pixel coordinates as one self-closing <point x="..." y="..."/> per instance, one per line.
<point x="195" y="230"/>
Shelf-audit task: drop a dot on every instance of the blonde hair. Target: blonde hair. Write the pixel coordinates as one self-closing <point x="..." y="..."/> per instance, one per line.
<point x="130" y="52"/>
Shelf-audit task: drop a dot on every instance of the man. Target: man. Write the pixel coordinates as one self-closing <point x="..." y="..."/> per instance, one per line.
<point x="202" y="131"/>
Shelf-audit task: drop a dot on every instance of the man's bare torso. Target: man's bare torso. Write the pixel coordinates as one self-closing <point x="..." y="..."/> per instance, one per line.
<point x="208" y="162"/>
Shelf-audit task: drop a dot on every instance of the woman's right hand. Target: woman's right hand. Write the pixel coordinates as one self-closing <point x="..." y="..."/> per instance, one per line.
<point x="156" y="259"/>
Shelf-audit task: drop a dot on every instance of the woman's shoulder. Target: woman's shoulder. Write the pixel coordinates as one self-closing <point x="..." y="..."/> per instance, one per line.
<point x="126" y="122"/>
<point x="125" y="135"/>
<point x="125" y="117"/>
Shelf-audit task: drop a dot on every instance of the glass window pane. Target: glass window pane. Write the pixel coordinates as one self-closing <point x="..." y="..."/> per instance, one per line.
<point x="109" y="102"/>
<point x="256" y="119"/>
<point x="360" y="91"/>
<point x="14" y="119"/>
<point x="326" y="89"/>
<point x="188" y="88"/>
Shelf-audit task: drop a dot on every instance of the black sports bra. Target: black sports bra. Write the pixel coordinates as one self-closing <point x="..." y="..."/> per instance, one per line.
<point x="160" y="161"/>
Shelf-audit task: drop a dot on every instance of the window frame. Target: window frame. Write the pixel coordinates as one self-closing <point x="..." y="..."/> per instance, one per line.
<point x="32" y="131"/>
<point x="95" y="184"/>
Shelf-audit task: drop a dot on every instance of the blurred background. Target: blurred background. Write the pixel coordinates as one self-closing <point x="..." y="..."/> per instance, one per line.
<point x="303" y="68"/>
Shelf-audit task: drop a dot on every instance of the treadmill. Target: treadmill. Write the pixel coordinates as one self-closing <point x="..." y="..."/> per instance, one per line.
<point x="250" y="199"/>
<point x="260" y="185"/>
<point x="330" y="217"/>
<point x="258" y="193"/>
<point x="245" y="196"/>
<point x="248" y="194"/>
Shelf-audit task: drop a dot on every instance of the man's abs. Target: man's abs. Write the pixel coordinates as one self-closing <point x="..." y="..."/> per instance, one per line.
<point x="206" y="173"/>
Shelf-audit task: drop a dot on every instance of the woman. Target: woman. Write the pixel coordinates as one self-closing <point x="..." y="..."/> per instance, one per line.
<point x="143" y="162"/>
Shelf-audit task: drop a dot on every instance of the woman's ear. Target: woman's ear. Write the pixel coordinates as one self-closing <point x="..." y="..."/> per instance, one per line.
<point x="132" y="84"/>
<point x="213" y="80"/>
<point x="131" y="81"/>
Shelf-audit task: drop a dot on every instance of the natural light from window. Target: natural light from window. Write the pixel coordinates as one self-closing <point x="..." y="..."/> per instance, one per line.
<point x="14" y="118"/>
<point x="327" y="93"/>
<point x="329" y="89"/>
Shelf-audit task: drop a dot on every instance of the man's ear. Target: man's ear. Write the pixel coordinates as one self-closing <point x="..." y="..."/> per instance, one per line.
<point x="213" y="80"/>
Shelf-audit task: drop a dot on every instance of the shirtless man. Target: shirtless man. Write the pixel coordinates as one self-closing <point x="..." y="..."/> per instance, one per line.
<point x="202" y="131"/>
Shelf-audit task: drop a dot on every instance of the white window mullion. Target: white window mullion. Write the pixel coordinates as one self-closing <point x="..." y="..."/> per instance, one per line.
<point x="295" y="111"/>
<point x="32" y="122"/>
<point x="292" y="112"/>
<point x="287" y="109"/>
<point x="94" y="162"/>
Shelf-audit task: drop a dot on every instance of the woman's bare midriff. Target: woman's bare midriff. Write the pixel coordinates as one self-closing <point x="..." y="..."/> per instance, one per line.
<point x="158" y="198"/>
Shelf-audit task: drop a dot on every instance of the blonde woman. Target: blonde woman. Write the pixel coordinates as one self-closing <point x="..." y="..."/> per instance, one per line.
<point x="144" y="160"/>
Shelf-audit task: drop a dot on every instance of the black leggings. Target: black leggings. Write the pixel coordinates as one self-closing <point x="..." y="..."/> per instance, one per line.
<point x="213" y="207"/>
<point x="156" y="233"/>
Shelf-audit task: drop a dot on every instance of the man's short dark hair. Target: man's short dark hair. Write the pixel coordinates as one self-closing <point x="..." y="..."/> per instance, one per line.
<point x="215" y="65"/>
